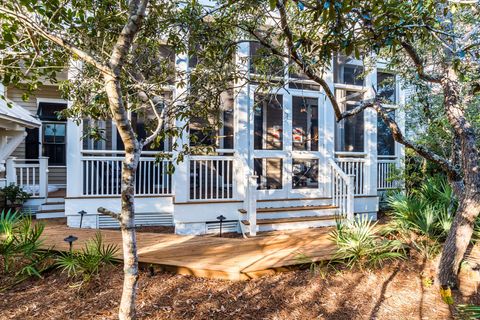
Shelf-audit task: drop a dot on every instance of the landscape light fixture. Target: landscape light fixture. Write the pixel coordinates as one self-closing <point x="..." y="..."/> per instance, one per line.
<point x="221" y="218"/>
<point x="82" y="213"/>
<point x="70" y="239"/>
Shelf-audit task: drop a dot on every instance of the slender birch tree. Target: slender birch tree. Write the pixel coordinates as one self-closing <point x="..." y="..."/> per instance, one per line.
<point x="124" y="55"/>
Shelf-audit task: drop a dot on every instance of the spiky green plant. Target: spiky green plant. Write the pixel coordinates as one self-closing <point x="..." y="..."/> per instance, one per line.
<point x="358" y="243"/>
<point x="86" y="262"/>
<point x="469" y="312"/>
<point x="20" y="244"/>
<point x="8" y="219"/>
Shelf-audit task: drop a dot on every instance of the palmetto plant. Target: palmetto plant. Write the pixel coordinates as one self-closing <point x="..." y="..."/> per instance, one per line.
<point x="427" y="212"/>
<point x="358" y="243"/>
<point x="20" y="244"/>
<point x="469" y="312"/>
<point x="86" y="262"/>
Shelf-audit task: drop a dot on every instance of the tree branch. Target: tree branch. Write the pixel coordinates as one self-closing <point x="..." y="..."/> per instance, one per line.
<point x="110" y="213"/>
<point x="30" y="25"/>
<point x="412" y="53"/>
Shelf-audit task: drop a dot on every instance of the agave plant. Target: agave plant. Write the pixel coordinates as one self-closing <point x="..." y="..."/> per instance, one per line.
<point x="87" y="262"/>
<point x="358" y="243"/>
<point x="8" y="220"/>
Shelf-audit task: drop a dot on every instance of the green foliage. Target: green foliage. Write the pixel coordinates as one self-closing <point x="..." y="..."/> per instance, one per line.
<point x="86" y="263"/>
<point x="14" y="195"/>
<point x="469" y="312"/>
<point x="358" y="243"/>
<point x="20" y="245"/>
<point x="427" y="211"/>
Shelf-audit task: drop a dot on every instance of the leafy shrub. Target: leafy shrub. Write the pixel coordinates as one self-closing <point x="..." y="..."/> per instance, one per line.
<point x="20" y="244"/>
<point x="428" y="211"/>
<point x="359" y="244"/>
<point x="14" y="195"/>
<point x="86" y="262"/>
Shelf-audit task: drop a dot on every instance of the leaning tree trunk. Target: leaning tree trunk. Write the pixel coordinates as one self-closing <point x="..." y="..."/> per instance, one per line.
<point x="461" y="231"/>
<point x="129" y="242"/>
<point x="458" y="239"/>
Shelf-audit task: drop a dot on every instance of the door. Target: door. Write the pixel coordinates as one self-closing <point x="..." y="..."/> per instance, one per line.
<point x="287" y="155"/>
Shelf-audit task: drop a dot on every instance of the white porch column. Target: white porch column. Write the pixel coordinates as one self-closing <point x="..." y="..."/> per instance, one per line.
<point x="400" y="118"/>
<point x="74" y="146"/>
<point x="327" y="122"/>
<point x="243" y="124"/>
<point x="43" y="177"/>
<point x="11" y="171"/>
<point x="181" y="176"/>
<point x="370" y="118"/>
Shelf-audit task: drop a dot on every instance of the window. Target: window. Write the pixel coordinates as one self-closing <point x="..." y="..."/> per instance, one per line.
<point x="305" y="124"/>
<point x="268" y="122"/>
<point x="269" y="172"/>
<point x="386" y="87"/>
<point x="346" y="71"/>
<point x="350" y="131"/>
<point x="385" y="141"/>
<point x="305" y="173"/>
<point x="53" y="142"/>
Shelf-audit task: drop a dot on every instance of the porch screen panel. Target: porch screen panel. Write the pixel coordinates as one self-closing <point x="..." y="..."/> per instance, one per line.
<point x="268" y="122"/>
<point x="305" y="124"/>
<point x="350" y="131"/>
<point x="269" y="172"/>
<point x="305" y="174"/>
<point x="385" y="141"/>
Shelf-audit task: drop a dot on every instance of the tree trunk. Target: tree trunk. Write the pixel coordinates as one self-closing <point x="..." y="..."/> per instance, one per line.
<point x="130" y="258"/>
<point x="458" y="240"/>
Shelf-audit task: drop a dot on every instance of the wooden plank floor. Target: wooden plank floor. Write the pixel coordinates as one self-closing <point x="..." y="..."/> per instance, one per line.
<point x="208" y="256"/>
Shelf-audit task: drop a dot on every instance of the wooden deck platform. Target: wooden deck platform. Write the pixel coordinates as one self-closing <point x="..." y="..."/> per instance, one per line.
<point x="209" y="256"/>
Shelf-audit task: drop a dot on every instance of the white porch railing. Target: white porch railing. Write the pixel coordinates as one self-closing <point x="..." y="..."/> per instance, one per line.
<point x="30" y="174"/>
<point x="342" y="190"/>
<point x="356" y="168"/>
<point x="386" y="171"/>
<point x="102" y="176"/>
<point x="211" y="178"/>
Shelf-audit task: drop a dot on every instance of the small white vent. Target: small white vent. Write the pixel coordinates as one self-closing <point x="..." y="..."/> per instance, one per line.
<point x="141" y="219"/>
<point x="227" y="226"/>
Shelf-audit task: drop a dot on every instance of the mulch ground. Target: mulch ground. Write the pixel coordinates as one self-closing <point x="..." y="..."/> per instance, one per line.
<point x="400" y="290"/>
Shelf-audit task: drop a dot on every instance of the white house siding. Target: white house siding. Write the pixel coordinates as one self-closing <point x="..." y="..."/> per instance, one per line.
<point x="56" y="175"/>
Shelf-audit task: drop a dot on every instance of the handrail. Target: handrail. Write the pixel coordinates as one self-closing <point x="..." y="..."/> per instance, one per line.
<point x="342" y="190"/>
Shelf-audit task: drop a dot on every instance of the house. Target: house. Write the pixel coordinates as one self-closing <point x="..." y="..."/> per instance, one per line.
<point x="281" y="162"/>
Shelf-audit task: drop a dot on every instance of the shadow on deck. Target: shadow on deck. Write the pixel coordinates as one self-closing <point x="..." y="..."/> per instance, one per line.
<point x="212" y="257"/>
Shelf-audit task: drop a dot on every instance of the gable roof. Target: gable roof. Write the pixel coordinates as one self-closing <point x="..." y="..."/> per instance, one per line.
<point x="17" y="114"/>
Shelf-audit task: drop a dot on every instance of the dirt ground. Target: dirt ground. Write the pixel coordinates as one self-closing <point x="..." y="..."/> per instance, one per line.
<point x="401" y="290"/>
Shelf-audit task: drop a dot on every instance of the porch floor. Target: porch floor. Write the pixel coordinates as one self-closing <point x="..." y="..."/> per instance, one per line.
<point x="209" y="256"/>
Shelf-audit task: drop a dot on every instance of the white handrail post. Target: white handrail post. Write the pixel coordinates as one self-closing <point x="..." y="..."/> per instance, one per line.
<point x="43" y="177"/>
<point x="350" y="197"/>
<point x="252" y="204"/>
<point x="11" y="171"/>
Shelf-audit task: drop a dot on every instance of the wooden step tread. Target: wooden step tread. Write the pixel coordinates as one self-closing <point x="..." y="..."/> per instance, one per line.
<point x="289" y="220"/>
<point x="50" y="211"/>
<point x="298" y="208"/>
<point x="53" y="203"/>
<point x="294" y="199"/>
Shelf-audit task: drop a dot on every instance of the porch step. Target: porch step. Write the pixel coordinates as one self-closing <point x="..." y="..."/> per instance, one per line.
<point x="50" y="213"/>
<point x="294" y="202"/>
<point x="290" y="220"/>
<point x="282" y="209"/>
<point x="264" y="225"/>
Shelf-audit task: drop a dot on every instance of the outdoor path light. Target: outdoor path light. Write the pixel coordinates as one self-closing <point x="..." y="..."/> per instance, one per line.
<point x="82" y="213"/>
<point x="221" y="218"/>
<point x="70" y="239"/>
